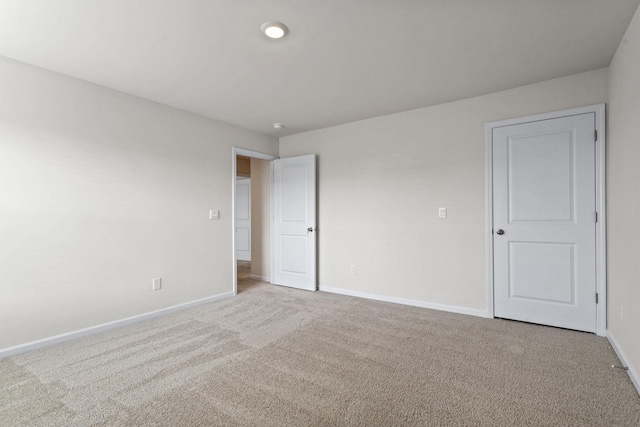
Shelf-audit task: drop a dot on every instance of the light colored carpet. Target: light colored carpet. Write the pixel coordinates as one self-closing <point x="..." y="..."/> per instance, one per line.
<point x="274" y="356"/>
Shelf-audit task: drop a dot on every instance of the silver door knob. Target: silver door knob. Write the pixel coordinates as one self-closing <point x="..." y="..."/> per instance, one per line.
<point x="310" y="229"/>
<point x="500" y="232"/>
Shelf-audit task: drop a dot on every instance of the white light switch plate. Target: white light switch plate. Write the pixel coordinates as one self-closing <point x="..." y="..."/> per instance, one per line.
<point x="214" y="214"/>
<point x="442" y="212"/>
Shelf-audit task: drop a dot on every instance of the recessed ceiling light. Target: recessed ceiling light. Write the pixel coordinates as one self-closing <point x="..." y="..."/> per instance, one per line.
<point x="274" y="30"/>
<point x="278" y="125"/>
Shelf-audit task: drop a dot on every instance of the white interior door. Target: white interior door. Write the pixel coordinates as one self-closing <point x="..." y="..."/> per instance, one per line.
<point x="243" y="219"/>
<point x="544" y="222"/>
<point x="294" y="217"/>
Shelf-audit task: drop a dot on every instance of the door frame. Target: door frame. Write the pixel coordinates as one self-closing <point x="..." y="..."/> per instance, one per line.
<point x="601" y="238"/>
<point x="237" y="151"/>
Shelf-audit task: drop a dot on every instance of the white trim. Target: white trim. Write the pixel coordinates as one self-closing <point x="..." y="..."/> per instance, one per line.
<point x="406" y="301"/>
<point x="261" y="278"/>
<point x="635" y="378"/>
<point x="235" y="152"/>
<point x="69" y="336"/>
<point x="489" y="215"/>
<point x="601" y="229"/>
<point x="601" y="237"/>
<point x="254" y="154"/>
<point x="234" y="174"/>
<point x="272" y="236"/>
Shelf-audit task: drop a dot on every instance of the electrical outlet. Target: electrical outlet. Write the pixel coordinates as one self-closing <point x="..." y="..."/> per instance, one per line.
<point x="621" y="312"/>
<point x="157" y="284"/>
<point x="353" y="269"/>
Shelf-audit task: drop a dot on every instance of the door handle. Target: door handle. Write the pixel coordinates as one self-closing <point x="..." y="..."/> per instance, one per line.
<point x="500" y="232"/>
<point x="310" y="230"/>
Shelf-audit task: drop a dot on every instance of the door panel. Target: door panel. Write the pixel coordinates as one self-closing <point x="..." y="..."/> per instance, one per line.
<point x="243" y="219"/>
<point x="542" y="271"/>
<point x="294" y="210"/>
<point x="536" y="195"/>
<point x="295" y="247"/>
<point x="293" y="179"/>
<point x="544" y="203"/>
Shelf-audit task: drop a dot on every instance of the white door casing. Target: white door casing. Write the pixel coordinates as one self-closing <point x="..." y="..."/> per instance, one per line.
<point x="243" y="219"/>
<point x="544" y="237"/>
<point x="294" y="222"/>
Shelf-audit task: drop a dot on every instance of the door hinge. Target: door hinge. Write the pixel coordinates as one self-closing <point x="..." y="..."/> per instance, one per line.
<point x="596" y="216"/>
<point x="596" y="297"/>
<point x="596" y="135"/>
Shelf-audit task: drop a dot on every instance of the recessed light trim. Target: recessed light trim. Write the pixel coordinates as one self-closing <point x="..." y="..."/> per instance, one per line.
<point x="274" y="30"/>
<point x="278" y="125"/>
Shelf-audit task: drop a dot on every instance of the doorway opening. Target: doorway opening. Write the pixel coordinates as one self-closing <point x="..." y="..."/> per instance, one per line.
<point x="251" y="217"/>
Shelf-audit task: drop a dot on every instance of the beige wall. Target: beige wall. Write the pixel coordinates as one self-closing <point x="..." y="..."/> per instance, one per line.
<point x="382" y="180"/>
<point x="243" y="166"/>
<point x="623" y="198"/>
<point x="100" y="193"/>
<point x="260" y="218"/>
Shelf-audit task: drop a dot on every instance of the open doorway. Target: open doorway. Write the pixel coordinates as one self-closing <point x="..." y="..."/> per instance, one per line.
<point x="251" y="219"/>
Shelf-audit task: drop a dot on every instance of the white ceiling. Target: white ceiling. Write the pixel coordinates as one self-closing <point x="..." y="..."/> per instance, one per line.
<point x="343" y="60"/>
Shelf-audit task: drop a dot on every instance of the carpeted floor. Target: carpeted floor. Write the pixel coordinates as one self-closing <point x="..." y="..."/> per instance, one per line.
<point x="275" y="356"/>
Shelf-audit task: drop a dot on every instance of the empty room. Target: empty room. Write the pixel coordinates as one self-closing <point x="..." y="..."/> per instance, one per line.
<point x="319" y="213"/>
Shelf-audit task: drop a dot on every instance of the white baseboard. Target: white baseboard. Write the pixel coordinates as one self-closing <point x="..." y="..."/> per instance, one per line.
<point x="406" y="301"/>
<point x="261" y="278"/>
<point x="635" y="379"/>
<point x="57" y="339"/>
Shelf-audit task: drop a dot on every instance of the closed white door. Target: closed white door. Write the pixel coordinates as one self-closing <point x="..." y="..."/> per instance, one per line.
<point x="544" y="219"/>
<point x="294" y="215"/>
<point x="243" y="219"/>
